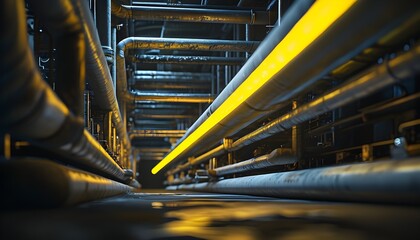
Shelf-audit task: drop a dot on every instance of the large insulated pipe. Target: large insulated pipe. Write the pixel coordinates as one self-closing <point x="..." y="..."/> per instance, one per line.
<point x="327" y="52"/>
<point x="97" y="72"/>
<point x="178" y="14"/>
<point x="170" y="97"/>
<point x="66" y="28"/>
<point x="30" y="109"/>
<point x="201" y="60"/>
<point x="389" y="181"/>
<point x="39" y="183"/>
<point x="156" y="133"/>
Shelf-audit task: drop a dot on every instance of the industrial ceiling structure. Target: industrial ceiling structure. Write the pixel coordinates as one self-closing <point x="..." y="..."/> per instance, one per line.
<point x="286" y="99"/>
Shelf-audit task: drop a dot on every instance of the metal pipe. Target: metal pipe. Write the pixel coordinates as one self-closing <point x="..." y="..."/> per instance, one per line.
<point x="51" y="185"/>
<point x="171" y="79"/>
<point x="97" y="72"/>
<point x="380" y="182"/>
<point x="151" y="85"/>
<point x="279" y="156"/>
<point x="165" y="116"/>
<point x="103" y="21"/>
<point x="371" y="80"/>
<point x="156" y="133"/>
<point x="185" y="44"/>
<point x="171" y="73"/>
<point x="178" y="14"/>
<point x="41" y="117"/>
<point x="300" y="73"/>
<point x="170" y="97"/>
<point x="202" y="60"/>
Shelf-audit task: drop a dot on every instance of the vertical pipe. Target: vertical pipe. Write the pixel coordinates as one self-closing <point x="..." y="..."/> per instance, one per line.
<point x="218" y="79"/>
<point x="226" y="70"/>
<point x="103" y="21"/>
<point x="279" y="14"/>
<point x="114" y="65"/>
<point x="7" y="146"/>
<point x="114" y="140"/>
<point x="246" y="39"/>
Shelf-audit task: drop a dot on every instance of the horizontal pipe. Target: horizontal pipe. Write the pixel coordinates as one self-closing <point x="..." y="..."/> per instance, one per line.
<point x="185" y="44"/>
<point x="182" y="14"/>
<point x="292" y="80"/>
<point x="170" y="97"/>
<point x="172" y="79"/>
<point x="39" y="183"/>
<point x="201" y="60"/>
<point x="156" y="133"/>
<point x="151" y="85"/>
<point x="171" y="73"/>
<point x="164" y="106"/>
<point x="371" y="80"/>
<point x="164" y="116"/>
<point x="380" y="182"/>
<point x="279" y="156"/>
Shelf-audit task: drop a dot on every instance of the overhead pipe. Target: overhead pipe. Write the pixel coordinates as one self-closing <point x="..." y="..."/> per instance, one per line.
<point x="150" y="85"/>
<point x="164" y="116"/>
<point x="41" y="117"/>
<point x="171" y="73"/>
<point x="170" y="97"/>
<point x="201" y="60"/>
<point x="201" y="15"/>
<point x="98" y="74"/>
<point x="388" y="181"/>
<point x="156" y="133"/>
<point x="172" y="79"/>
<point x="359" y="86"/>
<point x="327" y="52"/>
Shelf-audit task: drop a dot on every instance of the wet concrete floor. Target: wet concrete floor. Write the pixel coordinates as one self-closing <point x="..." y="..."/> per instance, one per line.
<point x="163" y="214"/>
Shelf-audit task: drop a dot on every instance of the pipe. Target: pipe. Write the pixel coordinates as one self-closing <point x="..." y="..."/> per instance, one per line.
<point x="170" y="73"/>
<point x="201" y="15"/>
<point x="165" y="116"/>
<point x="66" y="28"/>
<point x="172" y="79"/>
<point x="371" y="80"/>
<point x="103" y="21"/>
<point x="380" y="182"/>
<point x="97" y="72"/>
<point x="151" y="85"/>
<point x="201" y="60"/>
<point x="39" y="183"/>
<point x="326" y="53"/>
<point x="185" y="44"/>
<point x="40" y="117"/>
<point x="169" y="97"/>
<point x="279" y="156"/>
<point x="156" y="133"/>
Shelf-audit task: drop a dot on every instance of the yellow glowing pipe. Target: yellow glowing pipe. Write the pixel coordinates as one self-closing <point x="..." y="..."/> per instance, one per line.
<point x="321" y="15"/>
